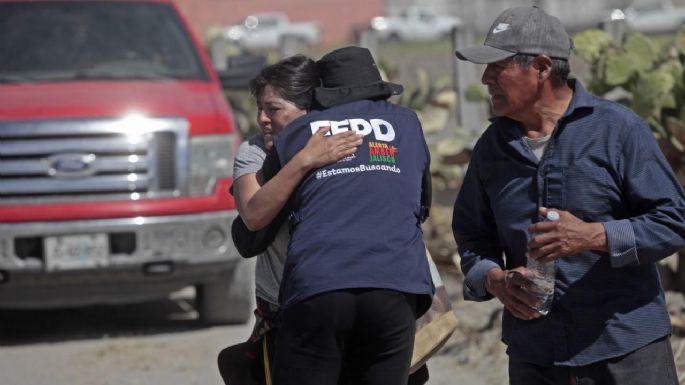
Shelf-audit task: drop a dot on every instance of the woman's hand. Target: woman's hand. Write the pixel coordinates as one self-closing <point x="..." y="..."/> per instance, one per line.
<point x="322" y="150"/>
<point x="259" y="204"/>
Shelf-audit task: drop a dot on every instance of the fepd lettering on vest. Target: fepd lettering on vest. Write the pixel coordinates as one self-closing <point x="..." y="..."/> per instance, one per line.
<point x="381" y="129"/>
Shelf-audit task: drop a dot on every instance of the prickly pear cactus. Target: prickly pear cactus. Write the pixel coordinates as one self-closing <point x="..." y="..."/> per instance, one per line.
<point x="590" y="44"/>
<point x="646" y="76"/>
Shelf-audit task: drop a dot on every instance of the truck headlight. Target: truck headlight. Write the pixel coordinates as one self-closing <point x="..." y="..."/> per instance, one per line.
<point x="211" y="158"/>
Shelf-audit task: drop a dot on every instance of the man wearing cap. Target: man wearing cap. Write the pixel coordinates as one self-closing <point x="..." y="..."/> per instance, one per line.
<point x="553" y="146"/>
<point x="356" y="275"/>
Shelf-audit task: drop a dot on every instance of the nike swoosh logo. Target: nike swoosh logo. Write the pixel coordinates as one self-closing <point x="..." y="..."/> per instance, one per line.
<point x="500" y="28"/>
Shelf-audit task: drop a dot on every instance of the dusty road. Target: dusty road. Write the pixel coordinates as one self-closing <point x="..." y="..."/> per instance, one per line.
<point x="155" y="343"/>
<point x="145" y="344"/>
<point x="161" y="343"/>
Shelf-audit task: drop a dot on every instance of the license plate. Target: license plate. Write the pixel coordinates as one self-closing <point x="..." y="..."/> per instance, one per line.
<point x="76" y="251"/>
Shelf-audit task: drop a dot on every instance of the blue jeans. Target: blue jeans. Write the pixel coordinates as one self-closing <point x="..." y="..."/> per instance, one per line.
<point x="650" y="365"/>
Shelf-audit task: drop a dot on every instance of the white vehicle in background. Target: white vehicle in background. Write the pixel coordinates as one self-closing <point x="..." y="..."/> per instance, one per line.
<point x="268" y="30"/>
<point x="650" y="17"/>
<point x="414" y="24"/>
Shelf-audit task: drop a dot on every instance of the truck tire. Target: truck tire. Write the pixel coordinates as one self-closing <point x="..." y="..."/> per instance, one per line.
<point x="229" y="299"/>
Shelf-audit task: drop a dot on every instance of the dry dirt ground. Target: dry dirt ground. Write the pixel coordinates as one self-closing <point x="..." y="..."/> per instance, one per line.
<point x="145" y="344"/>
<point x="161" y="343"/>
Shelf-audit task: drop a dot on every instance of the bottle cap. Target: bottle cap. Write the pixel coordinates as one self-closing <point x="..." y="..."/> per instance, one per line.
<point x="552" y="216"/>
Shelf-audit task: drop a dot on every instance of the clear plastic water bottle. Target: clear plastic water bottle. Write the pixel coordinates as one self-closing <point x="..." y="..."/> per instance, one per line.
<point x="543" y="276"/>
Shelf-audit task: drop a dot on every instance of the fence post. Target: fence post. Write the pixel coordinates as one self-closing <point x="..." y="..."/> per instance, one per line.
<point x="471" y="116"/>
<point x="217" y="51"/>
<point x="291" y="45"/>
<point x="368" y="38"/>
<point x="616" y="27"/>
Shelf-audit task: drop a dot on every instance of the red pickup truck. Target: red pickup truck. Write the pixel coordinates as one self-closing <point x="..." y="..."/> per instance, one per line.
<point x="116" y="151"/>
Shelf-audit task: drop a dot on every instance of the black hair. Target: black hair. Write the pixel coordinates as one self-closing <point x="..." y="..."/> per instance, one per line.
<point x="293" y="78"/>
<point x="560" y="67"/>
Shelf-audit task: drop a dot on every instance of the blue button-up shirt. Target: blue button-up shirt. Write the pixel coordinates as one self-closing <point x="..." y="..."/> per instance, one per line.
<point x="602" y="164"/>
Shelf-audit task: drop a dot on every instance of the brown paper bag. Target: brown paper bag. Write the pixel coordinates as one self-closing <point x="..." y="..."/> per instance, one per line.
<point x="436" y="326"/>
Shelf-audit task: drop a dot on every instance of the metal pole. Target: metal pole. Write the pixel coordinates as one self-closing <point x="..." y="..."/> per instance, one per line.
<point x="456" y="72"/>
<point x="291" y="45"/>
<point x="470" y="116"/>
<point x="616" y="28"/>
<point x="217" y="51"/>
<point x="368" y="38"/>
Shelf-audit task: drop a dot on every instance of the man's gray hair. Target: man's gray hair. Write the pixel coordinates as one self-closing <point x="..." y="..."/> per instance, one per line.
<point x="560" y="67"/>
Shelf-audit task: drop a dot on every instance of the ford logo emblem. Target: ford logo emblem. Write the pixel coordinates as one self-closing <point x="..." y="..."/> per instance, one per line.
<point x="71" y="165"/>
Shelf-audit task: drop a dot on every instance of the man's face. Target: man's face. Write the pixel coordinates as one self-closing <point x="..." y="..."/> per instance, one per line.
<point x="513" y="89"/>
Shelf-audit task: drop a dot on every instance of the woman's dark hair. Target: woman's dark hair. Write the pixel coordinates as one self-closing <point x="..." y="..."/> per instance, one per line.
<point x="293" y="78"/>
<point x="560" y="67"/>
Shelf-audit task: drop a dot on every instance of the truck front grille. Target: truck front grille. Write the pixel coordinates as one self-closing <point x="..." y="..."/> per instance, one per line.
<point x="93" y="159"/>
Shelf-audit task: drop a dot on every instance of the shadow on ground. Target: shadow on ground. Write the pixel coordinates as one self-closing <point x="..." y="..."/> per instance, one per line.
<point x="22" y="327"/>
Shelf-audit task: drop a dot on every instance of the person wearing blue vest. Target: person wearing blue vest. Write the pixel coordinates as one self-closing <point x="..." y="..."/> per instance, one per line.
<point x="356" y="275"/>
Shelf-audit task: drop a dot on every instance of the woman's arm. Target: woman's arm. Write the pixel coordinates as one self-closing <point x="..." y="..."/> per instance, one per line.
<point x="259" y="202"/>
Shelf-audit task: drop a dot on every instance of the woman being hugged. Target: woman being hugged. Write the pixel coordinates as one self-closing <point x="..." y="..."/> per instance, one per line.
<point x="283" y="92"/>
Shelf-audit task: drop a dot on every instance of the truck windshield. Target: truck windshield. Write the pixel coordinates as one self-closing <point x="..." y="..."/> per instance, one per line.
<point x="63" y="41"/>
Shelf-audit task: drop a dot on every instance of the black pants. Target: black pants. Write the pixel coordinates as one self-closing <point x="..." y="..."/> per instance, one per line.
<point x="369" y="331"/>
<point x="650" y="365"/>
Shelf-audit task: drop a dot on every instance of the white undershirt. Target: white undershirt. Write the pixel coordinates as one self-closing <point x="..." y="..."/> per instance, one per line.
<point x="537" y="145"/>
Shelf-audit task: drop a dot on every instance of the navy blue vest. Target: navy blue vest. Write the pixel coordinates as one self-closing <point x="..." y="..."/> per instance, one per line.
<point x="356" y="222"/>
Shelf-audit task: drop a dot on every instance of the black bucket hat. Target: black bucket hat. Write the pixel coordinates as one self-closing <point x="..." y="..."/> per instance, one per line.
<point x="349" y="74"/>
